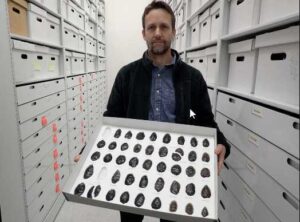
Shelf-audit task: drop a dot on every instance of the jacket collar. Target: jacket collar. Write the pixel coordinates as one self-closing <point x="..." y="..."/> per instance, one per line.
<point x="148" y="63"/>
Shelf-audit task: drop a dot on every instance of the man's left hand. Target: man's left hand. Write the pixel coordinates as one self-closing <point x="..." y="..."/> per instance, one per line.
<point x="220" y="152"/>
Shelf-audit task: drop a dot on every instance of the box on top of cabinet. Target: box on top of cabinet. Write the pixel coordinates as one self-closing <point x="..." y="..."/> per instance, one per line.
<point x="243" y="14"/>
<point x="278" y="66"/>
<point x="37" y="18"/>
<point x="194" y="6"/>
<point x="242" y="66"/>
<point x="195" y="31"/>
<point x="272" y="10"/>
<point x="53" y="29"/>
<point x="215" y="20"/>
<point x="205" y="21"/>
<point x="17" y="10"/>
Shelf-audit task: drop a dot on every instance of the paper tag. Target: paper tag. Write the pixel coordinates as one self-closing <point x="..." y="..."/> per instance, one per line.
<point x="251" y="167"/>
<point x="248" y="192"/>
<point x="36" y="66"/>
<point x="253" y="139"/>
<point x="257" y="112"/>
<point x="243" y="216"/>
<point x="51" y="67"/>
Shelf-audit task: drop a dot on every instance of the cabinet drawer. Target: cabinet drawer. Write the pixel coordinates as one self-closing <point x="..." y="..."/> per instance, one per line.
<point x="38" y="122"/>
<point x="75" y="90"/>
<point x="76" y="80"/>
<point x="283" y="204"/>
<point x="77" y="99"/>
<point x="76" y="110"/>
<point x="34" y="91"/>
<point x="270" y="158"/>
<point x="35" y="208"/>
<point x="34" y="158"/>
<point x="38" y="138"/>
<point x="34" y="108"/>
<point x="223" y="213"/>
<point x="284" y="132"/>
<point x="232" y="206"/>
<point x="246" y="197"/>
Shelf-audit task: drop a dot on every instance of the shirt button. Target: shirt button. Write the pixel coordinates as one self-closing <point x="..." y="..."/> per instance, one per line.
<point x="157" y="109"/>
<point x="158" y="75"/>
<point x="157" y="91"/>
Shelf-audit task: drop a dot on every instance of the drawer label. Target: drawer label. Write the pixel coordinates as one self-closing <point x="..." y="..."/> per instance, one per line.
<point x="251" y="167"/>
<point x="257" y="112"/>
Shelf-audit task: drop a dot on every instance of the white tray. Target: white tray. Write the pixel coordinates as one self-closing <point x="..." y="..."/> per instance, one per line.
<point x="103" y="172"/>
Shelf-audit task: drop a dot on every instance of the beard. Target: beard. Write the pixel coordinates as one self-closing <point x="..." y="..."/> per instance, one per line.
<point x="159" y="49"/>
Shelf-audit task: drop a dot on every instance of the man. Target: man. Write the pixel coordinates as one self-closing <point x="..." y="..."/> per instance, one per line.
<point x="161" y="87"/>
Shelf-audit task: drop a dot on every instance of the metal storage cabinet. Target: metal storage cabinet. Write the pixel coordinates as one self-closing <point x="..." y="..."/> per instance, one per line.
<point x="51" y="100"/>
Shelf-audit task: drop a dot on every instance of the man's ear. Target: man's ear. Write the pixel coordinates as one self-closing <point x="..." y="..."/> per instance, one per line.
<point x="173" y="34"/>
<point x="143" y="32"/>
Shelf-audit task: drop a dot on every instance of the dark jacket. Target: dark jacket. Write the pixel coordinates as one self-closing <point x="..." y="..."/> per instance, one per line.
<point x="130" y="95"/>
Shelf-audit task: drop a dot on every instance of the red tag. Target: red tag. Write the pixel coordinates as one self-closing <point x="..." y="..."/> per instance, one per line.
<point x="44" y="121"/>
<point x="56" y="165"/>
<point x="54" y="127"/>
<point x="54" y="139"/>
<point x="57" y="177"/>
<point x="57" y="188"/>
<point x="80" y="80"/>
<point x="81" y="98"/>
<point x="55" y="153"/>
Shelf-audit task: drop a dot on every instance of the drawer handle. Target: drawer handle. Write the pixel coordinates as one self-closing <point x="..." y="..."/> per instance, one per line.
<point x="296" y="125"/>
<point x="34" y="120"/>
<point x="36" y="135"/>
<point x="39" y="180"/>
<point x="42" y="208"/>
<point x="214" y="60"/>
<point x="204" y="24"/>
<point x="240" y="2"/>
<point x="240" y="58"/>
<point x="32" y="87"/>
<point x="39" y="19"/>
<point x="278" y="56"/>
<point x="229" y="122"/>
<point x="61" y="165"/>
<point x="290" y="200"/>
<point x="62" y="177"/>
<point x="41" y="193"/>
<point x="59" y="119"/>
<point x="231" y="100"/>
<point x="222" y="205"/>
<point x="58" y="94"/>
<point x="39" y="164"/>
<point x="293" y="163"/>
<point x="16" y="10"/>
<point x="33" y="104"/>
<point x="217" y="16"/>
<point x="60" y="142"/>
<point x="37" y="150"/>
<point x="58" y="107"/>
<point x="57" y="82"/>
<point x="223" y="184"/>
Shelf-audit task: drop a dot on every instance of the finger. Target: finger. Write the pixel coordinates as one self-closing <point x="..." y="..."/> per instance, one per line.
<point x="220" y="162"/>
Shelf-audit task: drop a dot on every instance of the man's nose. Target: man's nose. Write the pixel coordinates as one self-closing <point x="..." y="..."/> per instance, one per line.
<point x="157" y="31"/>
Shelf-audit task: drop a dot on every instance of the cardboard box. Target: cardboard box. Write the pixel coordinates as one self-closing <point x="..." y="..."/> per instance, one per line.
<point x="17" y="10"/>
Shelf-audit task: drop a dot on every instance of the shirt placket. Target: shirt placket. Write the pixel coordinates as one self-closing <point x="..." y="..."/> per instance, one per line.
<point x="158" y="98"/>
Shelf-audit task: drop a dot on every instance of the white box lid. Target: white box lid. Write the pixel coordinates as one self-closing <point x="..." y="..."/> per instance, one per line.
<point x="194" y="20"/>
<point x="68" y="54"/>
<point x="53" y="19"/>
<point x="204" y="15"/>
<point x="211" y="50"/>
<point x="284" y="36"/>
<point x="23" y="45"/>
<point x="242" y="46"/>
<point x="215" y="8"/>
<point x="196" y="54"/>
<point x="78" y="55"/>
<point x="37" y="10"/>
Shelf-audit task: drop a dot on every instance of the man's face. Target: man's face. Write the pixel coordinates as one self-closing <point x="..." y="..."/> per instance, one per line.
<point x="158" y="32"/>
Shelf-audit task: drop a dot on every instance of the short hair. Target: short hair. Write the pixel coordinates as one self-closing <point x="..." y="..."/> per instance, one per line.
<point x="159" y="5"/>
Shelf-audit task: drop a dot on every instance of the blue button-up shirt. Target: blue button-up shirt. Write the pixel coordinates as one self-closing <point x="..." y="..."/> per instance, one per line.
<point x="162" y="107"/>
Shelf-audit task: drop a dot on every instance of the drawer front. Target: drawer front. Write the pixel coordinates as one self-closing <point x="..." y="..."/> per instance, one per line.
<point x="32" y="109"/>
<point x="261" y="121"/>
<point x="45" y="195"/>
<point x="223" y="213"/>
<point x="76" y="80"/>
<point x="34" y="91"/>
<point x="246" y="197"/>
<point x="77" y="99"/>
<point x="232" y="206"/>
<point x="36" y="123"/>
<point x="34" y="158"/>
<point x="36" y="139"/>
<point x="270" y="158"/>
<point x="284" y="205"/>
<point x="76" y="110"/>
<point x="75" y="90"/>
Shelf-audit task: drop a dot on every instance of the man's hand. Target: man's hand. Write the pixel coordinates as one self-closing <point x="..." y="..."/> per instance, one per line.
<point x="77" y="158"/>
<point x="220" y="152"/>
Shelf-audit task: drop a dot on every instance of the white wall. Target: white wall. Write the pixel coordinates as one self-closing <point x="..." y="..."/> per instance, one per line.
<point x="124" y="38"/>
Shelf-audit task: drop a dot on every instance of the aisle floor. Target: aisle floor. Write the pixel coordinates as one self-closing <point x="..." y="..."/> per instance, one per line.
<point x="73" y="212"/>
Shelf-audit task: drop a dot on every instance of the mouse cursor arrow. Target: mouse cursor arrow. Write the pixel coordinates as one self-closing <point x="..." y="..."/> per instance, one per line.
<point x="192" y="114"/>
